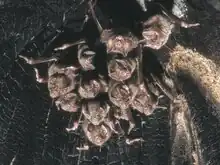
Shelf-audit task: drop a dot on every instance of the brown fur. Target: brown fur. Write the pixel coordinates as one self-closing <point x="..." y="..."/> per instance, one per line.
<point x="202" y="70"/>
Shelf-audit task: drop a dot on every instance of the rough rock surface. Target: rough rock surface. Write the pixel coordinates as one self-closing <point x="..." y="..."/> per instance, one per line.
<point x="32" y="131"/>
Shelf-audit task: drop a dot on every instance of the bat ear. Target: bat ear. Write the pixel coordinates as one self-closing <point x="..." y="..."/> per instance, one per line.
<point x="106" y="34"/>
<point x="154" y="20"/>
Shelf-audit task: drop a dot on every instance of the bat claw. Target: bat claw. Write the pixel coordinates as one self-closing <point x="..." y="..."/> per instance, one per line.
<point x="25" y="58"/>
<point x="132" y="141"/>
<point x="186" y="25"/>
<point x="75" y="127"/>
<point x="83" y="148"/>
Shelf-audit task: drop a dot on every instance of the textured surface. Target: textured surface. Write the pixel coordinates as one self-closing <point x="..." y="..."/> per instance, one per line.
<point x="32" y="131"/>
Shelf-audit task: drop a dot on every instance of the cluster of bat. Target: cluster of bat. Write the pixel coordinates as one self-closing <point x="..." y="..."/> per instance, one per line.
<point x="103" y="100"/>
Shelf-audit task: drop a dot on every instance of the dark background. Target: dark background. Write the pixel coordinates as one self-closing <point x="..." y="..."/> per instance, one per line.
<point x="32" y="131"/>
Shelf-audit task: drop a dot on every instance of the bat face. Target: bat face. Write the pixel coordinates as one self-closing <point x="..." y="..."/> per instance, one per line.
<point x="95" y="112"/>
<point x="61" y="81"/>
<point x="120" y="43"/>
<point x="89" y="89"/>
<point x="155" y="38"/>
<point x="68" y="102"/>
<point x="97" y="134"/>
<point x="121" y="69"/>
<point x="152" y="39"/>
<point x="156" y="31"/>
<point x="120" y="95"/>
<point x="142" y="101"/>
